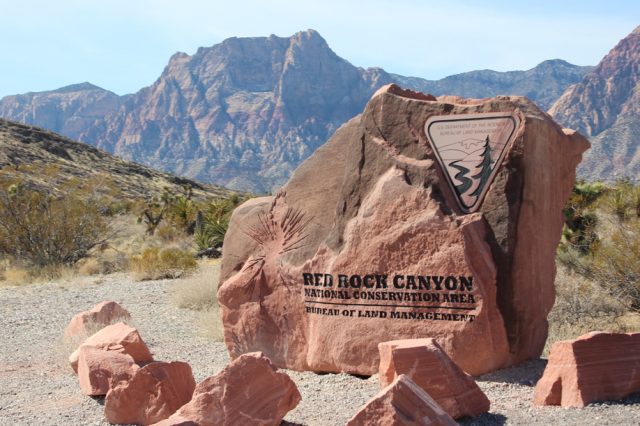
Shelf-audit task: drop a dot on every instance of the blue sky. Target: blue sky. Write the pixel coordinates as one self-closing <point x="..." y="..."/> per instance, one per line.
<point x="124" y="45"/>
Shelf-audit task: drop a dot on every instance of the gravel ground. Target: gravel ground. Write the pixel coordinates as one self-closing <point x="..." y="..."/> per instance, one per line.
<point x="38" y="388"/>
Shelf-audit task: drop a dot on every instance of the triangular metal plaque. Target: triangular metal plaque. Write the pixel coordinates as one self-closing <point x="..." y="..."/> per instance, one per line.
<point x="470" y="149"/>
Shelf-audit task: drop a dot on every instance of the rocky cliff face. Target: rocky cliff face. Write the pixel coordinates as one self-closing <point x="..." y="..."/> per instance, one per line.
<point x="246" y="112"/>
<point x="243" y="113"/>
<point x="605" y="105"/>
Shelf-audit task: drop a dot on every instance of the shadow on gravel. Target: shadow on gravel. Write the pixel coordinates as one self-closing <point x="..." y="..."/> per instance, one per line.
<point x="525" y="374"/>
<point x="486" y="419"/>
<point x="98" y="399"/>
<point x="632" y="399"/>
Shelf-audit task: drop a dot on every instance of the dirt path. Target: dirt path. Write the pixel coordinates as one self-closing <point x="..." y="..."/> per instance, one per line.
<point x="38" y="388"/>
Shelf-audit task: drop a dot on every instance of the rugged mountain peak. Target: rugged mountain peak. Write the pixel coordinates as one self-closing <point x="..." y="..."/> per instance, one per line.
<point x="309" y="37"/>
<point x="606" y="106"/>
<point x="594" y="104"/>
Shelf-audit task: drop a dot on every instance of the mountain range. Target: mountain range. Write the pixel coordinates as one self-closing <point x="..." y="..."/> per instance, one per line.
<point x="246" y="112"/>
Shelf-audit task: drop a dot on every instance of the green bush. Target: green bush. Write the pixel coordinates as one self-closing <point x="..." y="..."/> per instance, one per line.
<point x="616" y="264"/>
<point x="601" y="238"/>
<point x="211" y="226"/>
<point x="45" y="230"/>
<point x="155" y="263"/>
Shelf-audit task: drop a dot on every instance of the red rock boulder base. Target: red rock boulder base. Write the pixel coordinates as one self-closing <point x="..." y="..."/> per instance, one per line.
<point x="101" y="315"/>
<point x="119" y="338"/>
<point x="98" y="369"/>
<point x="428" y="366"/>
<point x="401" y="403"/>
<point x="594" y="367"/>
<point x="404" y="225"/>
<point x="250" y="390"/>
<point x="153" y="394"/>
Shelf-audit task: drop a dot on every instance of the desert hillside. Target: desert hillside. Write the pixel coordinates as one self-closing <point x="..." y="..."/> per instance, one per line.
<point x="46" y="160"/>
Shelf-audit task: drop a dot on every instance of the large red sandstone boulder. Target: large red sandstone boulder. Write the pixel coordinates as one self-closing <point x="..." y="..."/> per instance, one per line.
<point x="118" y="338"/>
<point x="594" y="367"/>
<point x="153" y="394"/>
<point x="402" y="402"/>
<point x="98" y="368"/>
<point x="405" y="224"/>
<point x="101" y="315"/>
<point x="250" y="390"/>
<point x="428" y="366"/>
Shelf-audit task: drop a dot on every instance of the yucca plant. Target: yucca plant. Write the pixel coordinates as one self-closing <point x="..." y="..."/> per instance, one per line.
<point x="211" y="225"/>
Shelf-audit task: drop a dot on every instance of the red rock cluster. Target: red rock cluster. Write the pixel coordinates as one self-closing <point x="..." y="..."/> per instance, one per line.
<point x="425" y="362"/>
<point x="116" y="362"/>
<point x="250" y="390"/>
<point x="594" y="367"/>
<point x="401" y="403"/>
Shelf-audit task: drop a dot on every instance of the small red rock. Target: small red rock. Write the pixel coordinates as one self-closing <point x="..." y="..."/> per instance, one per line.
<point x="103" y="314"/>
<point x="250" y="390"/>
<point x="594" y="367"/>
<point x="118" y="338"/>
<point x="98" y="368"/>
<point x="401" y="403"/>
<point x="426" y="363"/>
<point x="154" y="393"/>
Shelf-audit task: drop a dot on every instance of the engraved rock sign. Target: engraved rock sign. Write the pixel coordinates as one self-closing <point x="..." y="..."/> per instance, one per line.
<point x="470" y="148"/>
<point x="366" y="243"/>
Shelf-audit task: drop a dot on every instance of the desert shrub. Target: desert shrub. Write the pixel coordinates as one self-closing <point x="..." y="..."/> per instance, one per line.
<point x="154" y="210"/>
<point x="168" y="233"/>
<point x="579" y="232"/>
<point x="155" y="263"/>
<point x="581" y="306"/>
<point x="623" y="200"/>
<point x="211" y="226"/>
<point x="47" y="230"/>
<point x="616" y="264"/>
<point x="175" y="210"/>
<point x="183" y="211"/>
<point x="601" y="238"/>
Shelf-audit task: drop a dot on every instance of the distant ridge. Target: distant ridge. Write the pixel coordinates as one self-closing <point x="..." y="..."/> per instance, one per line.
<point x="246" y="112"/>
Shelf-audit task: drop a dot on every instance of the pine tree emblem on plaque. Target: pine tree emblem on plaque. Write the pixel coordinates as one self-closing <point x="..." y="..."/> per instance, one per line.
<point x="470" y="149"/>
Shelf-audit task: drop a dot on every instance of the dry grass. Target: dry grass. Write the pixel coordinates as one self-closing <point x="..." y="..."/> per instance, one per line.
<point x="198" y="292"/>
<point x="209" y="325"/>
<point x="155" y="263"/>
<point x="14" y="275"/>
<point x="583" y="306"/>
